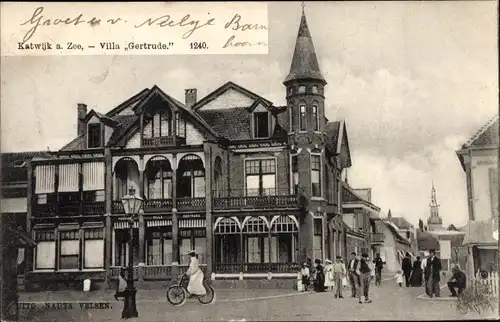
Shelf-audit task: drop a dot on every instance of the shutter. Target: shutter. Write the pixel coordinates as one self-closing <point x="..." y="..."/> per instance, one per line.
<point x="93" y="176"/>
<point x="45" y="178"/>
<point x="68" y="177"/>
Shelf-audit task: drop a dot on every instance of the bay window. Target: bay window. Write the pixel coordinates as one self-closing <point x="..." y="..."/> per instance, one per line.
<point x="45" y="251"/>
<point x="69" y="249"/>
<point x="93" y="248"/>
<point x="260" y="177"/>
<point x="316" y="175"/>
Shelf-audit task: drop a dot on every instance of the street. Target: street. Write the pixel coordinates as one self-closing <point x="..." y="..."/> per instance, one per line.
<point x="389" y="303"/>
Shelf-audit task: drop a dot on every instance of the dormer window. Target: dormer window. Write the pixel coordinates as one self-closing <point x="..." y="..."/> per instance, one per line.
<point x="302" y="89"/>
<point x="261" y="124"/>
<point x="94" y="135"/>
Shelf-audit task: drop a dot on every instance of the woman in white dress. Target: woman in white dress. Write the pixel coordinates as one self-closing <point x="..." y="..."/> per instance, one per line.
<point x="329" y="276"/>
<point x="195" y="286"/>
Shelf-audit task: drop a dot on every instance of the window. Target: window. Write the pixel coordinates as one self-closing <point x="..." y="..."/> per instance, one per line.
<point x="295" y="174"/>
<point x="290" y="90"/>
<point x="302" y="89"/>
<point x="292" y="118"/>
<point x="303" y="117"/>
<point x="315" y="89"/>
<point x="158" y="125"/>
<point x="284" y="240"/>
<point x="256" y="240"/>
<point x="315" y="117"/>
<point x="192" y="239"/>
<point x="45" y="257"/>
<point x="159" y="180"/>
<point x="260" y="177"/>
<point x="122" y="246"/>
<point x="181" y="126"/>
<point x="69" y="250"/>
<point x="261" y="124"/>
<point x="191" y="177"/>
<point x="93" y="248"/>
<point x="316" y="175"/>
<point x="94" y="135"/>
<point x="227" y="241"/>
<point x="159" y="246"/>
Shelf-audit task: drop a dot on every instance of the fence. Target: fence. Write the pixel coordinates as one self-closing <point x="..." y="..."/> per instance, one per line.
<point x="490" y="279"/>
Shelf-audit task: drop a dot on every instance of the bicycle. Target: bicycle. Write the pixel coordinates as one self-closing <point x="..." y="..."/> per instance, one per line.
<point x="178" y="294"/>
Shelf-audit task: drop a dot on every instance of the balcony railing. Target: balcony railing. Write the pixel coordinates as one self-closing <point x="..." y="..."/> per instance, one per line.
<point x="184" y="204"/>
<point x="157" y="272"/>
<point x="227" y="268"/>
<point x="115" y="272"/>
<point x="377" y="238"/>
<point x="285" y="267"/>
<point x="69" y="208"/>
<point x="149" y="205"/>
<point x="264" y="199"/>
<point x="163" y="141"/>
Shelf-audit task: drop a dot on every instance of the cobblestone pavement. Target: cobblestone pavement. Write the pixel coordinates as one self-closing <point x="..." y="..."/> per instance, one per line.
<point x="389" y="303"/>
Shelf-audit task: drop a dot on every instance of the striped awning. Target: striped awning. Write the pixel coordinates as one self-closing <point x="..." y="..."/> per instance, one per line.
<point x="45" y="178"/>
<point x="192" y="223"/>
<point x="124" y="225"/>
<point x="159" y="223"/>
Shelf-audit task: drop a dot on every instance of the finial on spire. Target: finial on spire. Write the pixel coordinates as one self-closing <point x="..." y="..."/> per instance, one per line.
<point x="303" y="6"/>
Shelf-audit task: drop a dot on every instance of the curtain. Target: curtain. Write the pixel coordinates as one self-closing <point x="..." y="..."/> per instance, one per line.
<point x="274" y="257"/>
<point x="268" y="184"/>
<point x="185" y="246"/>
<point x="94" y="253"/>
<point x="45" y="178"/>
<point x="167" y="251"/>
<point x="252" y="185"/>
<point x="45" y="254"/>
<point x="93" y="176"/>
<point x="68" y="177"/>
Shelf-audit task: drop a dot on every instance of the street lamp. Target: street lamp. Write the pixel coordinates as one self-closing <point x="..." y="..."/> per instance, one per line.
<point x="131" y="204"/>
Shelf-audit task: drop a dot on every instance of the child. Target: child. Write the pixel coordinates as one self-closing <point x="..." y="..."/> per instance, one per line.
<point x="399" y="278"/>
<point x="305" y="276"/>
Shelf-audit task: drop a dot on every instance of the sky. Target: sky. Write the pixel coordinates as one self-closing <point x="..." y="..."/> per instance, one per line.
<point x="412" y="80"/>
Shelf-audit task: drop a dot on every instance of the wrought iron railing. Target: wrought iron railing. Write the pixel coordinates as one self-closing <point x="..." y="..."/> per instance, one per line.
<point x="157" y="272"/>
<point x="115" y="272"/>
<point x="251" y="199"/>
<point x="227" y="268"/>
<point x="159" y="141"/>
<point x="157" y="204"/>
<point x="191" y="203"/>
<point x="255" y="267"/>
<point x="285" y="267"/>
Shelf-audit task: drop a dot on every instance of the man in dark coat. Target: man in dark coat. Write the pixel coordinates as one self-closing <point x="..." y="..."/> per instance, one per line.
<point x="379" y="264"/>
<point x="353" y="276"/>
<point x="457" y="281"/>
<point x="432" y="274"/>
<point x="406" y="268"/>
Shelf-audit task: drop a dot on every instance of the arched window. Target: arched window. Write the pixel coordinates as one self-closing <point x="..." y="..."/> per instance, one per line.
<point x="126" y="176"/>
<point x="227" y="245"/>
<point x="158" y="179"/>
<point x="191" y="177"/>
<point x="218" y="178"/>
<point x="303" y="116"/>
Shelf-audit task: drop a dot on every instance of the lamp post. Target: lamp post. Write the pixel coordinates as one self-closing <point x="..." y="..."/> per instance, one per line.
<point x="131" y="204"/>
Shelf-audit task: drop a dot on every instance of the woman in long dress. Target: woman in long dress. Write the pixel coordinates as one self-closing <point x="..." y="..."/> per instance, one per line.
<point x="319" y="282"/>
<point x="329" y="276"/>
<point x="195" y="286"/>
<point x="416" y="275"/>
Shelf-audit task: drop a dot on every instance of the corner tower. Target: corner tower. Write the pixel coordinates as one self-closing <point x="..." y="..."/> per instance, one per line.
<point x="306" y="107"/>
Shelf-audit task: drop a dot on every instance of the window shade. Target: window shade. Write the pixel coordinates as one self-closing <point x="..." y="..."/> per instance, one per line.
<point x="68" y="177"/>
<point x="93" y="176"/>
<point x="45" y="178"/>
<point x="94" y="253"/>
<point x="45" y="254"/>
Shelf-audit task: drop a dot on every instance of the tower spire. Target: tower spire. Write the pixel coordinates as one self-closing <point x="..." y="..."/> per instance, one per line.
<point x="304" y="62"/>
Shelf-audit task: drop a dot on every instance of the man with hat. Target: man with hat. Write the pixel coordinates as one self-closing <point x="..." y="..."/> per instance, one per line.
<point x="364" y="272"/>
<point x="195" y="286"/>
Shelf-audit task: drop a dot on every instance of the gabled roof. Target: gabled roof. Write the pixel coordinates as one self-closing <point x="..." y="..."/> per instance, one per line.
<point x="125" y="123"/>
<point x="486" y="135"/>
<point x="104" y="119"/>
<point x="128" y="103"/>
<point x="229" y="85"/>
<point x="304" y="62"/>
<point x="395" y="233"/>
<point x="336" y="135"/>
<point x="400" y="222"/>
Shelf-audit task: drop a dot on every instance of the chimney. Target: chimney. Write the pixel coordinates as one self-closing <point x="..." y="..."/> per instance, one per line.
<point x="190" y="96"/>
<point x="81" y="113"/>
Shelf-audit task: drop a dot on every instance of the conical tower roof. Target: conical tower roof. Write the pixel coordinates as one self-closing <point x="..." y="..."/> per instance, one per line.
<point x="304" y="62"/>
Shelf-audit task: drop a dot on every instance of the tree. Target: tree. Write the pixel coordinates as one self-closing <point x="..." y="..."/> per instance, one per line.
<point x="420" y="224"/>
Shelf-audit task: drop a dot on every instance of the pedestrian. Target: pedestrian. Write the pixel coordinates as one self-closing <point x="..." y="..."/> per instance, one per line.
<point x="399" y="278"/>
<point x="432" y="272"/>
<point x="122" y="284"/>
<point x="353" y="276"/>
<point x="304" y="272"/>
<point x="406" y="268"/>
<point x="364" y="272"/>
<point x="379" y="264"/>
<point x="416" y="274"/>
<point x="319" y="277"/>
<point x="458" y="281"/>
<point x="339" y="272"/>
<point x="195" y="286"/>
<point x="329" y="278"/>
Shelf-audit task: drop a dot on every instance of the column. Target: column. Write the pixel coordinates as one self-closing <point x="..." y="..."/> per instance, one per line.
<point x="142" y="230"/>
<point x="28" y="253"/>
<point x="108" y="240"/>
<point x="331" y="247"/>
<point x="208" y="203"/>
<point x="175" y="222"/>
<point x="269" y="244"/>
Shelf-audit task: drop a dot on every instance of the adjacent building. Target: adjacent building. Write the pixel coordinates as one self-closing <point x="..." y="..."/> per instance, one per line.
<point x="479" y="160"/>
<point x="254" y="188"/>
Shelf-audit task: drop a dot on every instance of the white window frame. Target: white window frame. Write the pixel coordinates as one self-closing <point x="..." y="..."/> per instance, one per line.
<point x="268" y="124"/>
<point x="261" y="159"/>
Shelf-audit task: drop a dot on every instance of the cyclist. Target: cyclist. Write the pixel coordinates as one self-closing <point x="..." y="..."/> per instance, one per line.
<point x="195" y="286"/>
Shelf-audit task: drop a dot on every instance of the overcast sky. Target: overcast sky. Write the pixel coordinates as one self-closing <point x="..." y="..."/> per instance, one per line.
<point x="413" y="80"/>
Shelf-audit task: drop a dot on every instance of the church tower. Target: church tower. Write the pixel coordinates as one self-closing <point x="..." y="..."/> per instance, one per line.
<point x="306" y="107"/>
<point x="434" y="222"/>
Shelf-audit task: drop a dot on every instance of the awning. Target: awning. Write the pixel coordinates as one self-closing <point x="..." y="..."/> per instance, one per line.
<point x="192" y="223"/>
<point x="159" y="223"/>
<point x="45" y="178"/>
<point x="69" y="175"/>
<point x="93" y="176"/>
<point x="124" y="225"/>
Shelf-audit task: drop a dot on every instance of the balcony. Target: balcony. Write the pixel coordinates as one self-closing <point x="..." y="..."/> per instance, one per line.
<point x="377" y="238"/>
<point x="69" y="209"/>
<point x="191" y="204"/>
<point x="232" y="268"/>
<point x="163" y="141"/>
<point x="268" y="199"/>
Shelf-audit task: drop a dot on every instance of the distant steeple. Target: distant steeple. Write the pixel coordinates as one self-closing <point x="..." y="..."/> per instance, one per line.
<point x="434" y="221"/>
<point x="304" y="62"/>
<point x="389" y="215"/>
